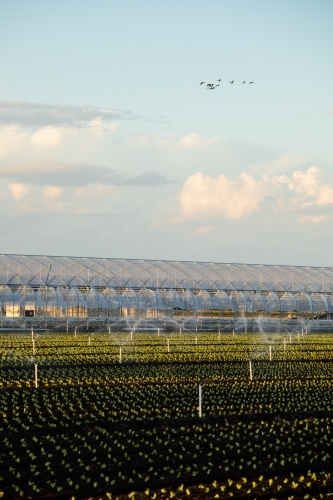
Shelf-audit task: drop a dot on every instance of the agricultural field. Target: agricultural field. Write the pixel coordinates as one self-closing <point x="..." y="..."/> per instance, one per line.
<point x="116" y="415"/>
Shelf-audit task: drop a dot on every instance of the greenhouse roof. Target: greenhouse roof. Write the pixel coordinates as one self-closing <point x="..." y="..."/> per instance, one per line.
<point x="40" y="270"/>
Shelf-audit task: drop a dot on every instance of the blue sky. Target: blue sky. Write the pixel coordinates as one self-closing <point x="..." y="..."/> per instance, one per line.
<point x="110" y="147"/>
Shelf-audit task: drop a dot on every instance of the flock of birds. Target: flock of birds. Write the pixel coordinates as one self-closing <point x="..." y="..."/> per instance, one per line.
<point x="212" y="86"/>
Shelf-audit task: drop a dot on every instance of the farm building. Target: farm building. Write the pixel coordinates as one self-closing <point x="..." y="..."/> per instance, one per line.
<point x="67" y="292"/>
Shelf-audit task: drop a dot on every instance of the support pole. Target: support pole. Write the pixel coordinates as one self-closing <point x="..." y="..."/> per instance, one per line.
<point x="119" y="354"/>
<point x="290" y="338"/>
<point x="219" y="335"/>
<point x="158" y="332"/>
<point x="109" y="330"/>
<point x="33" y="347"/>
<point x="233" y="333"/>
<point x="180" y="329"/>
<point x="196" y="340"/>
<point x="36" y="376"/>
<point x="200" y="400"/>
<point x="89" y="340"/>
<point x="270" y="353"/>
<point x="250" y="370"/>
<point x="32" y="334"/>
<point x="168" y="344"/>
<point x="298" y="335"/>
<point x="131" y="336"/>
<point x="284" y="343"/>
<point x="302" y="332"/>
<point x="67" y="326"/>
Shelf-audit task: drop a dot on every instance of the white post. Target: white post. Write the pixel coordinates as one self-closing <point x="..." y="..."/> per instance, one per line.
<point x="284" y="343"/>
<point x="200" y="400"/>
<point x="109" y="330"/>
<point x="250" y="370"/>
<point x="219" y="335"/>
<point x="32" y="334"/>
<point x="290" y="338"/>
<point x="302" y="332"/>
<point x="196" y="340"/>
<point x="196" y="328"/>
<point x="36" y="376"/>
<point x="270" y="353"/>
<point x="158" y="332"/>
<point x="131" y="336"/>
<point x="89" y="340"/>
<point x="298" y="335"/>
<point x="168" y="342"/>
<point x="233" y="333"/>
<point x="75" y="332"/>
<point x="67" y="326"/>
<point x="180" y="329"/>
<point x="33" y="347"/>
<point x="306" y="330"/>
<point x="120" y="354"/>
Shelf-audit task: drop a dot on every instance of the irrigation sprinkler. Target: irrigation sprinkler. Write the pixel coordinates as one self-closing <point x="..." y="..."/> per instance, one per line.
<point x="200" y="400"/>
<point x="250" y="362"/>
<point x="33" y="347"/>
<point x="270" y="353"/>
<point x="119" y="354"/>
<point x="284" y="343"/>
<point x="36" y="376"/>
<point x="168" y="344"/>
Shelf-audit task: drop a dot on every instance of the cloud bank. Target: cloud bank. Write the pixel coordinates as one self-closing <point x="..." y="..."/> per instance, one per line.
<point x="221" y="197"/>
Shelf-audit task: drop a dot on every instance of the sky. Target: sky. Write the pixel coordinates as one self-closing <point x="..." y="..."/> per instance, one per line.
<point x="110" y="147"/>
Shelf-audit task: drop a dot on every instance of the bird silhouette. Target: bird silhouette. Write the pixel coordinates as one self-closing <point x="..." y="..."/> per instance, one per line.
<point x="250" y="83"/>
<point x="232" y="81"/>
<point x="244" y="81"/>
<point x="202" y="83"/>
<point x="218" y="80"/>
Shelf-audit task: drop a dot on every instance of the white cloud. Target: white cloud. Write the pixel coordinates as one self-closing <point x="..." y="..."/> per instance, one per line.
<point x="52" y="193"/>
<point x="11" y="139"/>
<point x="311" y="219"/>
<point x="18" y="190"/>
<point x="205" y="196"/>
<point x="217" y="197"/>
<point x="98" y="191"/>
<point x="204" y="229"/>
<point x="47" y="137"/>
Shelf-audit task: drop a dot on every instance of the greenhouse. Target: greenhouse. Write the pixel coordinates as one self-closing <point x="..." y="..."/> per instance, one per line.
<point x="70" y="292"/>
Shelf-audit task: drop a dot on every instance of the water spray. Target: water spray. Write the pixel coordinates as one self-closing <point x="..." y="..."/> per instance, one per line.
<point x="200" y="400"/>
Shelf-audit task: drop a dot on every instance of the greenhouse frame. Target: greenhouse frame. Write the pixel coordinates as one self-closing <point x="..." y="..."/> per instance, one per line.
<point x="96" y="293"/>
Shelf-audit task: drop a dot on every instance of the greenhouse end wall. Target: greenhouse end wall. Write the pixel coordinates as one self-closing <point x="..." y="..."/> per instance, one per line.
<point x="68" y="292"/>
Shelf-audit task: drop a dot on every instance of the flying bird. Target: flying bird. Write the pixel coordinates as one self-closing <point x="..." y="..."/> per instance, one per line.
<point x="232" y="81"/>
<point x="218" y="80"/>
<point x="202" y="83"/>
<point x="244" y="81"/>
<point x="250" y="83"/>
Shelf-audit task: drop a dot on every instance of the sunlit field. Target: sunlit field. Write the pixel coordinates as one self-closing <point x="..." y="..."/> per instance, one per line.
<point x="118" y="415"/>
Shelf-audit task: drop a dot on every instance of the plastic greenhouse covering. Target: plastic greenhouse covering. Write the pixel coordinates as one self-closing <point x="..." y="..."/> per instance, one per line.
<point x="67" y="289"/>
